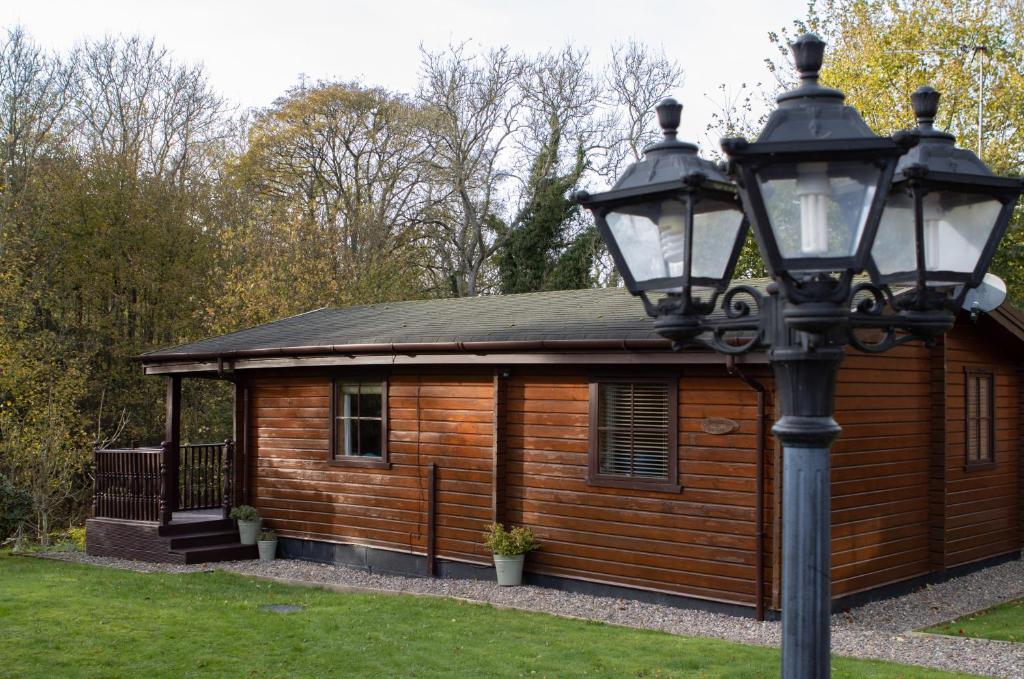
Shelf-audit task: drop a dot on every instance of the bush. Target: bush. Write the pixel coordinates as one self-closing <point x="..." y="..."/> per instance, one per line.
<point x="15" y="508"/>
<point x="77" y="536"/>
<point x="245" y="513"/>
<point x="518" y="540"/>
<point x="268" y="534"/>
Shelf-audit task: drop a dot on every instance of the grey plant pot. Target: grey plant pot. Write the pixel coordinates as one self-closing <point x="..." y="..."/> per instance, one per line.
<point x="509" y="569"/>
<point x="248" y="531"/>
<point x="268" y="549"/>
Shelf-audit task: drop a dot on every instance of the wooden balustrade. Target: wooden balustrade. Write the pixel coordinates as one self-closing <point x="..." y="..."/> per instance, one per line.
<point x="136" y="484"/>
<point x="201" y="476"/>
<point x="128" y="483"/>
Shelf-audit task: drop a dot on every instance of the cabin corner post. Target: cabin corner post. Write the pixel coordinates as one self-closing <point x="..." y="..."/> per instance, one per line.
<point x="805" y="377"/>
<point x="172" y="437"/>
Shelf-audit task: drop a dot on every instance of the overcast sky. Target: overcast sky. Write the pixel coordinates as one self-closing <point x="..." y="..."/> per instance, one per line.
<point x="254" y="50"/>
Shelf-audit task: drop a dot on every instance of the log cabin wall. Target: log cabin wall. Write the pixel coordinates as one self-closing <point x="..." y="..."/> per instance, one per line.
<point x="439" y="418"/>
<point x="696" y="542"/>
<point x="881" y="469"/>
<point x="447" y="419"/>
<point x="898" y="513"/>
<point x="982" y="511"/>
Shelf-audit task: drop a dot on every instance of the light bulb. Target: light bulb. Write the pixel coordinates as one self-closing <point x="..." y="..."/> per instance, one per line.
<point x="672" y="232"/>
<point x="932" y="213"/>
<point x="812" y="185"/>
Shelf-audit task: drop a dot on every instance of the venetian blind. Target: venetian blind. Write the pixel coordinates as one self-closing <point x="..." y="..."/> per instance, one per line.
<point x="633" y="429"/>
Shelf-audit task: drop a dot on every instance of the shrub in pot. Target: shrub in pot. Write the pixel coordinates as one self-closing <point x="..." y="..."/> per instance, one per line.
<point x="248" y="523"/>
<point x="267" y="545"/>
<point x="509" y="548"/>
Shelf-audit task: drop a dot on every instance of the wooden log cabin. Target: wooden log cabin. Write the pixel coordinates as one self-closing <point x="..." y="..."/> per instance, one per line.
<point x="386" y="437"/>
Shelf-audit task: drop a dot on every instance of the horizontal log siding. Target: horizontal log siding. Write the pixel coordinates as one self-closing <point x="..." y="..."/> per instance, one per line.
<point x="448" y="419"/>
<point x="880" y="469"/>
<point x="982" y="505"/>
<point x="302" y="495"/>
<point x="697" y="542"/>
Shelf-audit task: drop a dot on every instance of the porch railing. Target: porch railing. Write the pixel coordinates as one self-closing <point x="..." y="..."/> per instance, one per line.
<point x="145" y="484"/>
<point x="201" y="476"/>
<point x="129" y="483"/>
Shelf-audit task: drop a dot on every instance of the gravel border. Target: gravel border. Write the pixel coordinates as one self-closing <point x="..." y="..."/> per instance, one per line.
<point x="880" y="630"/>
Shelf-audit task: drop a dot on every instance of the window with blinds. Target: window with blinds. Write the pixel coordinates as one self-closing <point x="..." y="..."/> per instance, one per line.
<point x="980" y="406"/>
<point x="633" y="432"/>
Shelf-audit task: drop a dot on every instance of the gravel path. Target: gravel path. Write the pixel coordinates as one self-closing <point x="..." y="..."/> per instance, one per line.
<point x="881" y="630"/>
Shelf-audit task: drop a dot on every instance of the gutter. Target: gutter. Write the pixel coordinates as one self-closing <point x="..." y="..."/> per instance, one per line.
<point x="759" y="534"/>
<point x="415" y="348"/>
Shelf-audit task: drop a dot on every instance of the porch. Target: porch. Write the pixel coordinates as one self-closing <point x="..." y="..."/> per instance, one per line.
<point x="168" y="503"/>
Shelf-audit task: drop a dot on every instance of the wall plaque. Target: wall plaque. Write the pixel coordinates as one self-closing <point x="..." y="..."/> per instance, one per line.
<point x="719" y="425"/>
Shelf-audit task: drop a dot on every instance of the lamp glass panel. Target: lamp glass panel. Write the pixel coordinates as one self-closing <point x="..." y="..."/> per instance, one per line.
<point x="651" y="237"/>
<point x="818" y="209"/>
<point x="957" y="226"/>
<point x="894" y="249"/>
<point x="716" y="227"/>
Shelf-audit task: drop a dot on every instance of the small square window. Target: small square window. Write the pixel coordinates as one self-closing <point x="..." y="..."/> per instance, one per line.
<point x="359" y="422"/>
<point x="633" y="434"/>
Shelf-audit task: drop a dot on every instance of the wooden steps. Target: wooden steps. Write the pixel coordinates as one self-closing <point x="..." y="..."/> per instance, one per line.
<point x="235" y="551"/>
<point x="187" y="542"/>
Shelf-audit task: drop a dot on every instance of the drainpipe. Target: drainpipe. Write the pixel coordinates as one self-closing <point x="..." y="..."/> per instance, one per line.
<point x="733" y="369"/>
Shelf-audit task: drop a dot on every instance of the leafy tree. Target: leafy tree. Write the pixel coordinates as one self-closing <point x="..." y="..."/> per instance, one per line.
<point x="880" y="51"/>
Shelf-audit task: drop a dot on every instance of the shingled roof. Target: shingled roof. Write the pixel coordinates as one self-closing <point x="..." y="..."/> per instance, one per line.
<point x="596" y="318"/>
<point x="592" y="314"/>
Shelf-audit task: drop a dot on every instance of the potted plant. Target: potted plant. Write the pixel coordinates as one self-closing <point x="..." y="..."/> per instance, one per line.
<point x="509" y="548"/>
<point x="248" y="523"/>
<point x="267" y="544"/>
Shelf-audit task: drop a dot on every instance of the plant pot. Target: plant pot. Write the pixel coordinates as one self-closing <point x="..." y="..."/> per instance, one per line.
<point x="248" y="531"/>
<point x="268" y="549"/>
<point x="509" y="569"/>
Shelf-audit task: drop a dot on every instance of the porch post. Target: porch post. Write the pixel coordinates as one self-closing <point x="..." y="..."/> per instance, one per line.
<point x="172" y="437"/>
<point x="229" y="469"/>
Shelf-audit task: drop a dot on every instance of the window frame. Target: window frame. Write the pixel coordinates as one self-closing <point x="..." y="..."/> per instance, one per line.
<point x="971" y="375"/>
<point x="338" y="458"/>
<point x="669" y="484"/>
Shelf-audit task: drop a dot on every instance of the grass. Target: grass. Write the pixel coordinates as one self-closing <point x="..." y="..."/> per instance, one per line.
<point x="1004" y="622"/>
<point x="71" y="620"/>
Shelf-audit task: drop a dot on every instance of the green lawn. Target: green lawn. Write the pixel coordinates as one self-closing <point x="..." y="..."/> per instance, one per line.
<point x="69" y="620"/>
<point x="1004" y="623"/>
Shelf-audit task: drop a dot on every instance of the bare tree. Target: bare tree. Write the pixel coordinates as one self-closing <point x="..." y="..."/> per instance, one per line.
<point x="636" y="80"/>
<point x="34" y="88"/>
<point x="133" y="102"/>
<point x="474" y="105"/>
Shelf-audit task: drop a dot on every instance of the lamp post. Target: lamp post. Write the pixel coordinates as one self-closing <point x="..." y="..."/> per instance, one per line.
<point x="828" y="199"/>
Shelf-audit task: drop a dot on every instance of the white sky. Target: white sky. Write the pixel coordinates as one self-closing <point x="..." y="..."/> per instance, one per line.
<point x="254" y="50"/>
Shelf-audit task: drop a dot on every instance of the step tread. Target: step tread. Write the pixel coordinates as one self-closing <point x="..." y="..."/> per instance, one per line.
<point x="192" y="527"/>
<point x="214" y="537"/>
<point x="227" y="551"/>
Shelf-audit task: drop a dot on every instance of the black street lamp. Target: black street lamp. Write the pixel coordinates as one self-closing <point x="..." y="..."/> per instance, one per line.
<point x="947" y="203"/>
<point x="828" y="199"/>
<point x="673" y="224"/>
